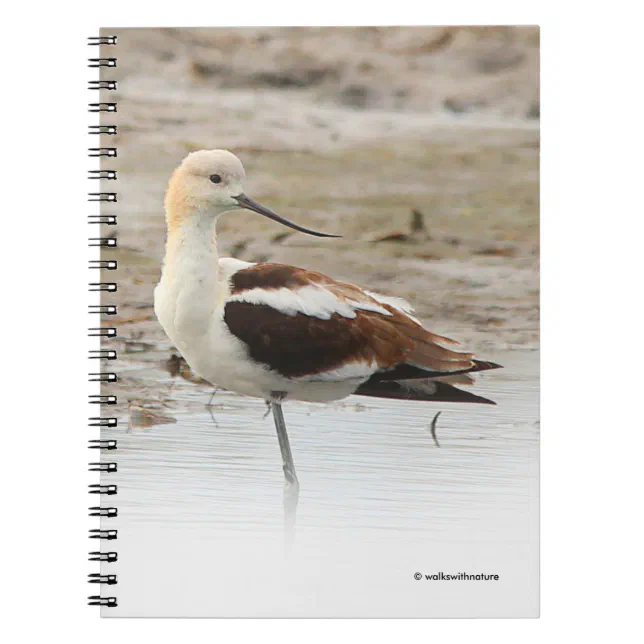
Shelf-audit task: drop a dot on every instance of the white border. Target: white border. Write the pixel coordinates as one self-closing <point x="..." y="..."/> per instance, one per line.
<point x="592" y="443"/>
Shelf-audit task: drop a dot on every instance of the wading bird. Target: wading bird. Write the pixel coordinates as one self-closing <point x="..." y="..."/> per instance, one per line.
<point x="280" y="332"/>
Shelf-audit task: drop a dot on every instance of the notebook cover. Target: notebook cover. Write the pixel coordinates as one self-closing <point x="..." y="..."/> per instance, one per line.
<point x="420" y="146"/>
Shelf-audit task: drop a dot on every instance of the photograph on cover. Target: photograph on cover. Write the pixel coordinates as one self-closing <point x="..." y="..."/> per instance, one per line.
<point x="327" y="321"/>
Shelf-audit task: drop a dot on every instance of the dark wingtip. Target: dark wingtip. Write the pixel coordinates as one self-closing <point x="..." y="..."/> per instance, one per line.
<point x="442" y="393"/>
<point x="486" y="401"/>
<point x="486" y="365"/>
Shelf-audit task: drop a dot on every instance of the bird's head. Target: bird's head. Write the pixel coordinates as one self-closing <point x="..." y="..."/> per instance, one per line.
<point x="209" y="183"/>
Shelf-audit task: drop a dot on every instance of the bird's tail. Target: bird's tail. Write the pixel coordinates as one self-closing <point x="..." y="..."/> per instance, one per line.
<point x="428" y="390"/>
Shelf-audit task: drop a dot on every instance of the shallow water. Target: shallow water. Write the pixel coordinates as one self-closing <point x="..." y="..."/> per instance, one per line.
<point x="201" y="505"/>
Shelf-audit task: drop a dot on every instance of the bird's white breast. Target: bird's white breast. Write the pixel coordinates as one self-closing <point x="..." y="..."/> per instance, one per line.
<point x="191" y="314"/>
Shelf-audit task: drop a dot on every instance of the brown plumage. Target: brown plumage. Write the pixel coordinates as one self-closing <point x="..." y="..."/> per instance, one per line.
<point x="304" y="345"/>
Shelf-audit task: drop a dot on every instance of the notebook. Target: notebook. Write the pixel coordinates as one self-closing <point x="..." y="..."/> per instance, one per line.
<point x="314" y="297"/>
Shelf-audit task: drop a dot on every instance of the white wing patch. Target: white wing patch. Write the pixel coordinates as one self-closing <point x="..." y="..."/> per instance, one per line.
<point x="397" y="302"/>
<point x="358" y="370"/>
<point x="228" y="266"/>
<point x="312" y="300"/>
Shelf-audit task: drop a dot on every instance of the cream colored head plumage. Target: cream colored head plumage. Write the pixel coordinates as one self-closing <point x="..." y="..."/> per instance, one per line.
<point x="209" y="183"/>
<point x="206" y="181"/>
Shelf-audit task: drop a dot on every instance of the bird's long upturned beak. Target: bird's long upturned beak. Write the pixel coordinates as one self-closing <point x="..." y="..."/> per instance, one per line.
<point x="251" y="204"/>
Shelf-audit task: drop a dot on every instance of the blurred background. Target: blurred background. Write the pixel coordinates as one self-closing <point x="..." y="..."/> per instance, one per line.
<point x="420" y="145"/>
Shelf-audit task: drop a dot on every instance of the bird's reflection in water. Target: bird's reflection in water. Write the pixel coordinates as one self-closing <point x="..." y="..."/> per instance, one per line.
<point x="291" y="495"/>
<point x="291" y="499"/>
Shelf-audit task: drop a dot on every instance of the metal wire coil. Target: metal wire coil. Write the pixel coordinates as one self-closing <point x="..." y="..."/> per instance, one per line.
<point x="105" y="242"/>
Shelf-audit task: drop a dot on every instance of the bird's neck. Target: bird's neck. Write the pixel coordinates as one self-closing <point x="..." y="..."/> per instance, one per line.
<point x="191" y="264"/>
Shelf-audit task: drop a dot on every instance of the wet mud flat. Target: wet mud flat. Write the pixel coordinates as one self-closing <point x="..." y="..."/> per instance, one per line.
<point x="467" y="263"/>
<point x="435" y="205"/>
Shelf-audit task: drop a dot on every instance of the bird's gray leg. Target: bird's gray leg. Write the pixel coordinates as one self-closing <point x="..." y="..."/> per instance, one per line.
<point x="292" y="488"/>
<point x="285" y="447"/>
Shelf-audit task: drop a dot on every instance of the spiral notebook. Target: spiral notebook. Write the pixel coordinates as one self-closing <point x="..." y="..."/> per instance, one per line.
<point x="315" y="303"/>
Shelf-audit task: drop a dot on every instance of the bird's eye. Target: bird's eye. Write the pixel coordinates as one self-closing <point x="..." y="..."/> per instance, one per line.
<point x="215" y="178"/>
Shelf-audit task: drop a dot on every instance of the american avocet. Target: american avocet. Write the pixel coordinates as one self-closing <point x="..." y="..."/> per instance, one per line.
<point x="280" y="332"/>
